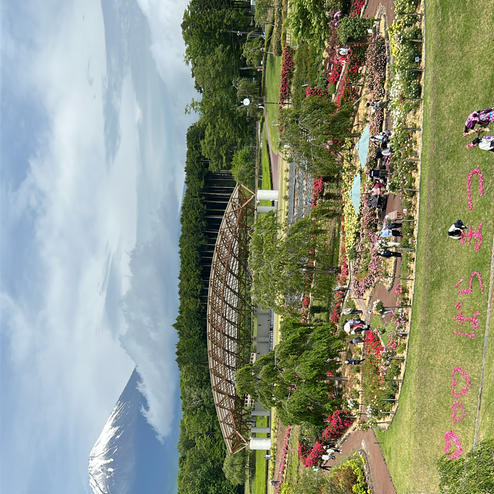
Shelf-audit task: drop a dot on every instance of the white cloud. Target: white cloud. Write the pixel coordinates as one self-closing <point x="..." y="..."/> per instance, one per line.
<point x="150" y="310"/>
<point x="168" y="48"/>
<point x="65" y="368"/>
<point x="91" y="223"/>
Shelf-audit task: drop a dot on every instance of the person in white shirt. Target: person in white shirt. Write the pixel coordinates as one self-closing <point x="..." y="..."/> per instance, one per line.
<point x="486" y="143"/>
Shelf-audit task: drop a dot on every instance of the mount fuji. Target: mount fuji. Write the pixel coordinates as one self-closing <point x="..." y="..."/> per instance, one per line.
<point x="127" y="458"/>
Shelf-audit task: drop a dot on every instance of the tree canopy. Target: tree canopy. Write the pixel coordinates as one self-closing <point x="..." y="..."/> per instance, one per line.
<point x="214" y="52"/>
<point x="294" y="376"/>
<point x="280" y="257"/>
<point x="315" y="133"/>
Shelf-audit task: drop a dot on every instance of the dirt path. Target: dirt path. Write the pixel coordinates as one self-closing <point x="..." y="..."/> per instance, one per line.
<point x="373" y="6"/>
<point x="380" y="480"/>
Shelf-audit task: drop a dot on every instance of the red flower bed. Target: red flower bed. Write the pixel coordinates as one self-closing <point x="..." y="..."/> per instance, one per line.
<point x="311" y="458"/>
<point x="284" y="453"/>
<point x="315" y="91"/>
<point x="356" y="8"/>
<point x="338" y="423"/>
<point x="334" y="74"/>
<point x="286" y="73"/>
<point x="373" y="350"/>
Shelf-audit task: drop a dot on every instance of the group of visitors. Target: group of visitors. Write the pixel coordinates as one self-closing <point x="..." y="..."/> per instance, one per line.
<point x="478" y="122"/>
<point x="480" y="118"/>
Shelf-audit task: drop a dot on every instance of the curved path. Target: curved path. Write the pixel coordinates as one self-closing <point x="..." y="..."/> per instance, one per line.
<point x="380" y="479"/>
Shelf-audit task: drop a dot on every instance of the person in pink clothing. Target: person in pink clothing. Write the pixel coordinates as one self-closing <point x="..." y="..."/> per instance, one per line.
<point x="479" y="117"/>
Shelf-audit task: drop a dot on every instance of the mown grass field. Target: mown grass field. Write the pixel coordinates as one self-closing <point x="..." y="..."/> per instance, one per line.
<point x="266" y="162"/>
<point x="260" y="481"/>
<point x="459" y="79"/>
<point x="272" y="94"/>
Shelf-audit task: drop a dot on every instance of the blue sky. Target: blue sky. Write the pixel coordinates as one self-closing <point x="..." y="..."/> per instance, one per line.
<point x="92" y="153"/>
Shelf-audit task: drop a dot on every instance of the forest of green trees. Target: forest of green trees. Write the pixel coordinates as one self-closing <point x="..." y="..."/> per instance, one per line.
<point x="214" y="53"/>
<point x="201" y="447"/>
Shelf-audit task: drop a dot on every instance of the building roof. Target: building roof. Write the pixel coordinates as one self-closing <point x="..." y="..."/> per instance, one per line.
<point x="227" y="314"/>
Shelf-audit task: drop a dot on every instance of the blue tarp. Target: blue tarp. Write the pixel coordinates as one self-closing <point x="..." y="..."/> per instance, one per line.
<point x="363" y="146"/>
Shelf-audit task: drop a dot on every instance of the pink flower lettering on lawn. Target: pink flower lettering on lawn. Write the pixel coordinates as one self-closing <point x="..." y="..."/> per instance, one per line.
<point x="456" y="405"/>
<point x="477" y="172"/>
<point x="454" y="382"/>
<point x="451" y="436"/>
<point x="473" y="320"/>
<point x="469" y="289"/>
<point x="476" y="235"/>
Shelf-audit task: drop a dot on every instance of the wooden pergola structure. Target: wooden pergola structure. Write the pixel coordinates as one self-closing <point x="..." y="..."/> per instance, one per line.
<point x="228" y="313"/>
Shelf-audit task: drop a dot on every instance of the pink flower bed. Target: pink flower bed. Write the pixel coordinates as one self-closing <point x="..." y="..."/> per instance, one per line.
<point x="315" y="91"/>
<point x="367" y="267"/>
<point x="286" y="73"/>
<point x="313" y="457"/>
<point x="284" y="453"/>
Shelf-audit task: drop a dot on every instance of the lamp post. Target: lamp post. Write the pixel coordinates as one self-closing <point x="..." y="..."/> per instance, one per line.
<point x="246" y="102"/>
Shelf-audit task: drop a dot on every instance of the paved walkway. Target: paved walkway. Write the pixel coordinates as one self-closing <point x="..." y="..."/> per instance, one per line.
<point x="380" y="480"/>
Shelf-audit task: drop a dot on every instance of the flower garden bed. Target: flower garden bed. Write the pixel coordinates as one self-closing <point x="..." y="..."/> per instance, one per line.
<point x="404" y="94"/>
<point x="287" y="67"/>
<point x="337" y="423"/>
<point x="351" y="476"/>
<point x="367" y="267"/>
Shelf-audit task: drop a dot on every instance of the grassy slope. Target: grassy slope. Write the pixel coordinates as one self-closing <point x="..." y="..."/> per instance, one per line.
<point x="261" y="462"/>
<point x="272" y="93"/>
<point x="459" y="79"/>
<point x="266" y="163"/>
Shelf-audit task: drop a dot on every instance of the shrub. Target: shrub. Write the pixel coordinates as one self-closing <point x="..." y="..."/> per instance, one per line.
<point x="234" y="467"/>
<point x="243" y="167"/>
<point x="353" y="29"/>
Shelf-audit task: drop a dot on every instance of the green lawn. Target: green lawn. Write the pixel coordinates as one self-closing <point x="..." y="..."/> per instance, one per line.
<point x="266" y="162"/>
<point x="272" y="93"/>
<point x="383" y="328"/>
<point x="260" y="482"/>
<point x="459" y="79"/>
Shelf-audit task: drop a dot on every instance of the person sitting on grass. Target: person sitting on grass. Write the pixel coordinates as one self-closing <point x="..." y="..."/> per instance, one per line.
<point x="486" y="143"/>
<point x="479" y="117"/>
<point x="456" y="230"/>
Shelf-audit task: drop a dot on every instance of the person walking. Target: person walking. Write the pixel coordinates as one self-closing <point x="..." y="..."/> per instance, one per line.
<point x="331" y="450"/>
<point x="389" y="253"/>
<point x="382" y="137"/>
<point x="383" y="153"/>
<point x="389" y="232"/>
<point x="328" y="457"/>
<point x="354" y="361"/>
